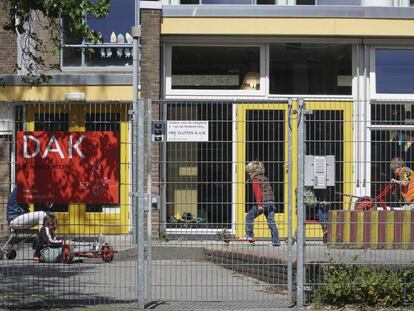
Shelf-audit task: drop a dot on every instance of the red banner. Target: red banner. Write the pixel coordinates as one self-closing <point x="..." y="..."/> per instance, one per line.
<point x="68" y="167"/>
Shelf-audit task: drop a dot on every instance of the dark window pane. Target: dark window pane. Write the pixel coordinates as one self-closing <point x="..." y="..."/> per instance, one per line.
<point x="19" y="117"/>
<point x="202" y="67"/>
<point x="102" y="122"/>
<point x="119" y="21"/>
<point x="62" y="208"/>
<point x="52" y="121"/>
<point x="392" y="114"/>
<point x="297" y="68"/>
<point x="189" y="2"/>
<point x="305" y="2"/>
<point x="108" y="56"/>
<point x="72" y="57"/>
<point x="199" y="174"/>
<point x="265" y="141"/>
<point x="394" y="70"/>
<point x="265" y="1"/>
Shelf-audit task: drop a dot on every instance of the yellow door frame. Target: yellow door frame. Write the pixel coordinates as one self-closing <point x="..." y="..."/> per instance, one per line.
<point x="312" y="230"/>
<point x="77" y="220"/>
<point x="260" y="229"/>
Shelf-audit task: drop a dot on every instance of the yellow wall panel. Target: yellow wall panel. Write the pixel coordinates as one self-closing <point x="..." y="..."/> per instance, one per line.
<point x="57" y="93"/>
<point x="287" y="26"/>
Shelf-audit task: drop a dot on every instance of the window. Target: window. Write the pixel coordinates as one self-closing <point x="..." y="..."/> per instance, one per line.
<point x="394" y="71"/>
<point x="392" y="135"/>
<point x="310" y="69"/>
<point x="115" y="48"/>
<point x="232" y="69"/>
<point x="305" y="2"/>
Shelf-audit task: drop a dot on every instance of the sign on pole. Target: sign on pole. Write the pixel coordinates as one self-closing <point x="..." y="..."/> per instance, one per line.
<point x="187" y="131"/>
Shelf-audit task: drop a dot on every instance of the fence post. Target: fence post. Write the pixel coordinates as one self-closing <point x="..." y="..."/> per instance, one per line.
<point x="300" y="269"/>
<point x="290" y="205"/>
<point x="149" y="196"/>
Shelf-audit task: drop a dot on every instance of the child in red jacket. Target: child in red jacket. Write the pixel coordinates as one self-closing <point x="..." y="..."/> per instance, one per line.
<point x="264" y="197"/>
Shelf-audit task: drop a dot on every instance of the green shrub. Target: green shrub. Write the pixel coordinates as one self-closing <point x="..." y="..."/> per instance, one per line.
<point x="363" y="285"/>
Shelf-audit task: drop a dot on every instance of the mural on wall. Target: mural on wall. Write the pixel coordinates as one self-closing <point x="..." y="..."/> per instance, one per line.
<point x="68" y="167"/>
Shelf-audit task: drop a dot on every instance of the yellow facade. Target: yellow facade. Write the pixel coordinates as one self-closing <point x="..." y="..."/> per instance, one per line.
<point x="76" y="220"/>
<point x="312" y="229"/>
<point x="247" y="26"/>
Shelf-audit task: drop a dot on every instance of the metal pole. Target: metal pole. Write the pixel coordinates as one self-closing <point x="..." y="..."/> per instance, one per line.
<point x="290" y="185"/>
<point x="300" y="272"/>
<point x="138" y="156"/>
<point x="149" y="195"/>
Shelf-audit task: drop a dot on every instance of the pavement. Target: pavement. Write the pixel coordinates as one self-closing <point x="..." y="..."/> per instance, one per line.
<point x="182" y="279"/>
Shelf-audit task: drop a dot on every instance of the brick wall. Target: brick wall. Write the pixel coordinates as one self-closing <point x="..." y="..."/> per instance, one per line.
<point x="8" y="51"/>
<point x="150" y="84"/>
<point x="150" y="54"/>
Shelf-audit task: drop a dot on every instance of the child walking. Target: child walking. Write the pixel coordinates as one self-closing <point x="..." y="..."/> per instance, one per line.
<point x="264" y="197"/>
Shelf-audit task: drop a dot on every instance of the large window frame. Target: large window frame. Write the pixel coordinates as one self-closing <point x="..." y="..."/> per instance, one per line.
<point x="214" y="92"/>
<point x="84" y="46"/>
<point x="372" y="76"/>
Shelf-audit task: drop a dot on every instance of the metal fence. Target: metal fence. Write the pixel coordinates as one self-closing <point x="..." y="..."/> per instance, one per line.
<point x="326" y="160"/>
<point x="101" y="265"/>
<point x="179" y="231"/>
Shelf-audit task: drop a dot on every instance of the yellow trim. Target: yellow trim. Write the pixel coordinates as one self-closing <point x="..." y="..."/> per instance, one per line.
<point x="406" y="229"/>
<point x="260" y="229"/>
<point x="287" y="26"/>
<point x="312" y="230"/>
<point x="346" y="107"/>
<point x="57" y="93"/>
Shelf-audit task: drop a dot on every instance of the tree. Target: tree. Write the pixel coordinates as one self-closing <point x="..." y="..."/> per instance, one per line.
<point x="26" y="16"/>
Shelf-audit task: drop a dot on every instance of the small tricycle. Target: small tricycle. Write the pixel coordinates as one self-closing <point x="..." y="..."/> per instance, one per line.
<point x="68" y="252"/>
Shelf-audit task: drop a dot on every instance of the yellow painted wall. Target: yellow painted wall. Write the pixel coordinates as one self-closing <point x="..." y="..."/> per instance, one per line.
<point x="77" y="220"/>
<point x="287" y="26"/>
<point x="57" y="93"/>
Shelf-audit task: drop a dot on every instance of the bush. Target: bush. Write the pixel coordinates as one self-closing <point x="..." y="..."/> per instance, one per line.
<point x="365" y="285"/>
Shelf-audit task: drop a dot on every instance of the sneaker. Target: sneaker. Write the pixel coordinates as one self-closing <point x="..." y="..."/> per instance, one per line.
<point x="250" y="239"/>
<point x="276" y="244"/>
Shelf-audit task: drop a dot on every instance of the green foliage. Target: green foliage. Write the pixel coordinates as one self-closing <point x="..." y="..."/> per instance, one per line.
<point x="408" y="278"/>
<point x="364" y="285"/>
<point x="28" y="17"/>
<point x="163" y="237"/>
<point x="224" y="235"/>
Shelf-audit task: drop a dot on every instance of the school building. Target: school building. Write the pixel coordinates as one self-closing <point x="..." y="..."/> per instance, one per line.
<point x="236" y="68"/>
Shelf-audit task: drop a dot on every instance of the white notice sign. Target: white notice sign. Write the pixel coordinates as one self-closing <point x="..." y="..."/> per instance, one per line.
<point x="190" y="131"/>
